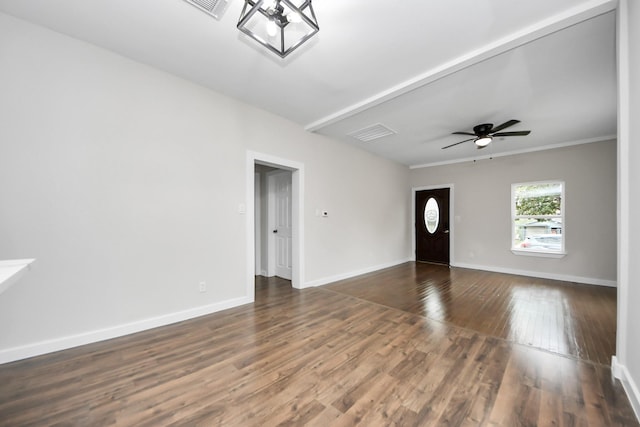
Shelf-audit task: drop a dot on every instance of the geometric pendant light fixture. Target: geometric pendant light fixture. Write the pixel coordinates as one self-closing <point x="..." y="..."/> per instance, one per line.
<point x="279" y="25"/>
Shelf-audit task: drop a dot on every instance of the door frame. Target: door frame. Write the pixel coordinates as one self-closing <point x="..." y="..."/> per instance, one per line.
<point x="452" y="226"/>
<point x="257" y="200"/>
<point x="297" y="217"/>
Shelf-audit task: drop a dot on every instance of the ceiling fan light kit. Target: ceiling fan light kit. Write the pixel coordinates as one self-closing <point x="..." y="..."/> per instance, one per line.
<point x="483" y="141"/>
<point x="281" y="26"/>
<point x="484" y="133"/>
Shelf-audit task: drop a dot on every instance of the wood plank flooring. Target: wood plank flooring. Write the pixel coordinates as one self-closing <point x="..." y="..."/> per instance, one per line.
<point x="315" y="357"/>
<point x="566" y="318"/>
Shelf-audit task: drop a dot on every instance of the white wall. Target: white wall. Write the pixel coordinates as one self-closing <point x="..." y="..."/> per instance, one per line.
<point x="627" y="362"/>
<point x="634" y="178"/>
<point x="124" y="183"/>
<point x="482" y="205"/>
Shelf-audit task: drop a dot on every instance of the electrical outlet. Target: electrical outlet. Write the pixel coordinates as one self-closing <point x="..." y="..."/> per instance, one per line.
<point x="203" y="287"/>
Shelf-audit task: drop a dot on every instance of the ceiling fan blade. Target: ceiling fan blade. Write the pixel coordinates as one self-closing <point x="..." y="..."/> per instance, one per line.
<point x="516" y="133"/>
<point x="463" y="133"/>
<point x="504" y="126"/>
<point x="448" y="146"/>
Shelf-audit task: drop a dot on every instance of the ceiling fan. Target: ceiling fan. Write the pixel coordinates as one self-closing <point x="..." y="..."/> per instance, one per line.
<point x="484" y="133"/>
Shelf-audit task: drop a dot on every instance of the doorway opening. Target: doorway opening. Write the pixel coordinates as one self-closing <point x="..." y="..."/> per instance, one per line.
<point x="274" y="219"/>
<point x="273" y="222"/>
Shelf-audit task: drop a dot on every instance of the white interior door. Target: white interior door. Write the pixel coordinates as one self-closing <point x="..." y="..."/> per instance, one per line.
<point x="282" y="229"/>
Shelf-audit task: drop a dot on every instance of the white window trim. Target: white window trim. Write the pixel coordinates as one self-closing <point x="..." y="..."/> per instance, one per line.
<point x="538" y="252"/>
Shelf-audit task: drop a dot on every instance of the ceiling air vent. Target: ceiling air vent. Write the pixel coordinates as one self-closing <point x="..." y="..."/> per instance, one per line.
<point x="214" y="8"/>
<point x="372" y="132"/>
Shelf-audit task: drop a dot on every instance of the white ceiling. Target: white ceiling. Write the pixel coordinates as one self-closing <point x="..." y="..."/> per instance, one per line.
<point x="421" y="68"/>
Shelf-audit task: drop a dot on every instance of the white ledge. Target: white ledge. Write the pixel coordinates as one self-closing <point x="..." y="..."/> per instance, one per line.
<point x="11" y="270"/>
<point x="530" y="252"/>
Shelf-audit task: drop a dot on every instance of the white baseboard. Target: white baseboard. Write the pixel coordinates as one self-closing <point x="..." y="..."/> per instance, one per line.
<point x="621" y="372"/>
<point x="539" y="274"/>
<point x="343" y="276"/>
<point x="64" y="343"/>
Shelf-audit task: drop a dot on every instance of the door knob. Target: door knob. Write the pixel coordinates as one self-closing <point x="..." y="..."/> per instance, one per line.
<point x="275" y="231"/>
<point x="446" y="231"/>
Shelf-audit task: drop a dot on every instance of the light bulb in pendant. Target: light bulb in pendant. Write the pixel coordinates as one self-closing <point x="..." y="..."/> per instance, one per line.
<point x="272" y="28"/>
<point x="294" y="17"/>
<point x="269" y="4"/>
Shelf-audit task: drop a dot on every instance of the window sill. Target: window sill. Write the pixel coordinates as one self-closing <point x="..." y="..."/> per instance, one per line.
<point x="540" y="254"/>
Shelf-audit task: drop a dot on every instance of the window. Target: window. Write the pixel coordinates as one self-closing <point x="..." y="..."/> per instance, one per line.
<point x="431" y="215"/>
<point x="537" y="217"/>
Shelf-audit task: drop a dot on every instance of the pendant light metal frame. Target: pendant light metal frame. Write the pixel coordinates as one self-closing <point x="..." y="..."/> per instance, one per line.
<point x="305" y="11"/>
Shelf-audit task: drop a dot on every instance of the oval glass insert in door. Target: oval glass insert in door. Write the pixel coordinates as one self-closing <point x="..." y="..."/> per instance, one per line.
<point x="431" y="215"/>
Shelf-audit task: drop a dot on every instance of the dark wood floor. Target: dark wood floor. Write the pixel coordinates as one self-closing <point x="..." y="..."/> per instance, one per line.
<point x="317" y="357"/>
<point x="566" y="318"/>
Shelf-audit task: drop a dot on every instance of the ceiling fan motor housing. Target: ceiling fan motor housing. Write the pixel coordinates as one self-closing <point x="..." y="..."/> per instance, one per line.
<point x="483" y="129"/>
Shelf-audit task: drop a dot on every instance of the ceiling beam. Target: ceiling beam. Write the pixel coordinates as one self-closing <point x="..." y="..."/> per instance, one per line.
<point x="573" y="16"/>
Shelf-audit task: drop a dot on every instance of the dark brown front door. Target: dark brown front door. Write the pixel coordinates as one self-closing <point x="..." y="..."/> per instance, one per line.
<point x="432" y="225"/>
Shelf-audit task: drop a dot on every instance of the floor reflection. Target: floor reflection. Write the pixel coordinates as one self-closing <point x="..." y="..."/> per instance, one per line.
<point x="542" y="317"/>
<point x="561" y="317"/>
